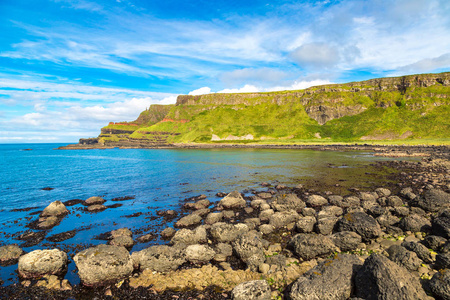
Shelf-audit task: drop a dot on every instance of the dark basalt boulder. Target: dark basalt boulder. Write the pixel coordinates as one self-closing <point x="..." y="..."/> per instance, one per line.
<point x="441" y="224"/>
<point x="331" y="279"/>
<point x="346" y="240"/>
<point x="404" y="257"/>
<point x="432" y="200"/>
<point x="361" y="223"/>
<point x="422" y="252"/>
<point x="415" y="223"/>
<point x="440" y="284"/>
<point x="381" y="278"/>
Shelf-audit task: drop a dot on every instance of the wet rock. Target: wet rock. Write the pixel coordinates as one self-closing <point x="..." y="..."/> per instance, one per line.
<point x="316" y="201"/>
<point x="94" y="200"/>
<point x="415" y="223"/>
<point x="442" y="261"/>
<point x="103" y="264"/>
<point x="434" y="242"/>
<point x="168" y="232"/>
<point x="422" y="252"/>
<point x="42" y="262"/>
<point x="249" y="248"/>
<point x="440" y="284"/>
<point x="404" y="257"/>
<point x="96" y="208"/>
<point x="285" y="202"/>
<point x="160" y="258"/>
<point x="232" y="200"/>
<point x="433" y="200"/>
<point x="188" y="221"/>
<point x="346" y="240"/>
<point x="305" y="224"/>
<point x="197" y="205"/>
<point x="361" y="223"/>
<point x="146" y="238"/>
<point x="280" y="219"/>
<point x="47" y="222"/>
<point x="190" y="237"/>
<point x="325" y="226"/>
<point x="9" y="254"/>
<point x="252" y="290"/>
<point x="59" y="237"/>
<point x="31" y="238"/>
<point x="331" y="279"/>
<point x="381" y="278"/>
<point x="214" y="218"/>
<point x="225" y="233"/>
<point x="199" y="253"/>
<point x="56" y="208"/>
<point x="308" y="246"/>
<point x="441" y="224"/>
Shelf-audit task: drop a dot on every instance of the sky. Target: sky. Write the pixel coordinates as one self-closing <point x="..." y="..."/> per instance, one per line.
<point x="68" y="67"/>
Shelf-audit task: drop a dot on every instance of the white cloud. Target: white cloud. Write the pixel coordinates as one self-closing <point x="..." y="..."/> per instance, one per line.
<point x="251" y="75"/>
<point x="245" y="89"/>
<point x="428" y="64"/>
<point x="200" y="91"/>
<point x="316" y="55"/>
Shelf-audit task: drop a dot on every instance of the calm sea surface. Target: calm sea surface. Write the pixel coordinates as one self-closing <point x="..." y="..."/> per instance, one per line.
<point x="158" y="179"/>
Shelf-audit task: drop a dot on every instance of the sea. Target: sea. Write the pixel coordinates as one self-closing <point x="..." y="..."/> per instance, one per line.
<point x="34" y="175"/>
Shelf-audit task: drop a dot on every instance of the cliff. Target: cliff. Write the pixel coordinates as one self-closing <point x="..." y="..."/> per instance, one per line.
<point x="408" y="107"/>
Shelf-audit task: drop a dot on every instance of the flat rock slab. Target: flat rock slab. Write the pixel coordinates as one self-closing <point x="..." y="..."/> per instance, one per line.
<point x="103" y="264"/>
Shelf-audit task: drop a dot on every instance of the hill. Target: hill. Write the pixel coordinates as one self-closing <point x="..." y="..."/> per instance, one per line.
<point x="414" y="107"/>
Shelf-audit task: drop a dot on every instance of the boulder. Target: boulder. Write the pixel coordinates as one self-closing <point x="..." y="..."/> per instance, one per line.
<point x="404" y="257"/>
<point x="48" y="222"/>
<point x="394" y="201"/>
<point x="415" y="223"/>
<point x="201" y="204"/>
<point x="383" y="192"/>
<point x="441" y="224"/>
<point x="223" y="251"/>
<point x="214" y="217"/>
<point x="9" y="254"/>
<point x="305" y="224"/>
<point x="42" y="262"/>
<point x="232" y="200"/>
<point x="121" y="232"/>
<point x="122" y="240"/>
<point x="159" y="258"/>
<point x="422" y="252"/>
<point x="199" y="253"/>
<point x="330" y="211"/>
<point x="285" y="202"/>
<point x="190" y="237"/>
<point x="56" y="208"/>
<point x="432" y="200"/>
<point x="381" y="278"/>
<point x="387" y="220"/>
<point x="146" y="238"/>
<point x="189" y="220"/>
<point x="316" y="201"/>
<point x="331" y="279"/>
<point x="442" y="261"/>
<point x="283" y="218"/>
<point x="266" y="228"/>
<point x="249" y="248"/>
<point x="168" y="232"/>
<point x="361" y="223"/>
<point x="346" y="240"/>
<point x="308" y="245"/>
<point x="252" y="290"/>
<point x="96" y="207"/>
<point x="103" y="264"/>
<point x="440" y="284"/>
<point x="94" y="200"/>
<point x="434" y="242"/>
<point x="226" y="233"/>
<point x="326" y="225"/>
<point x="347" y="202"/>
<point x="265" y="215"/>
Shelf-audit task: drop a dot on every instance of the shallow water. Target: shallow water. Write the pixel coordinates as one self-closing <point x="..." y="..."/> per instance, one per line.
<point x="158" y="179"/>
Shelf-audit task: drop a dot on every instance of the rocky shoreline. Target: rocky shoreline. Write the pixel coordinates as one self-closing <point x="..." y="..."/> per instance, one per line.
<point x="390" y="242"/>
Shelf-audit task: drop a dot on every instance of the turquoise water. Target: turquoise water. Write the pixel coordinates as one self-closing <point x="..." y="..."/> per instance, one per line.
<point x="158" y="179"/>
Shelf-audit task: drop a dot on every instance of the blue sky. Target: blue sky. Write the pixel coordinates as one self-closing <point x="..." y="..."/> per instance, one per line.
<point x="68" y="67"/>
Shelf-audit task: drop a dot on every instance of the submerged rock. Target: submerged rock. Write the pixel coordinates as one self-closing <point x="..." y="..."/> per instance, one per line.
<point x="103" y="264"/>
<point x="42" y="262"/>
<point x="9" y="254"/>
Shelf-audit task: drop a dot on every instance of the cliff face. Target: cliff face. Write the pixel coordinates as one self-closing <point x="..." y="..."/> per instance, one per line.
<point x="414" y="106"/>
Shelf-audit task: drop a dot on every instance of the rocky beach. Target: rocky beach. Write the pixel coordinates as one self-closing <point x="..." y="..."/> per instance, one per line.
<point x="280" y="242"/>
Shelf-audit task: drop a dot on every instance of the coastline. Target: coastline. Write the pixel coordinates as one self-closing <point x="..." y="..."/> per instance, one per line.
<point x="417" y="178"/>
